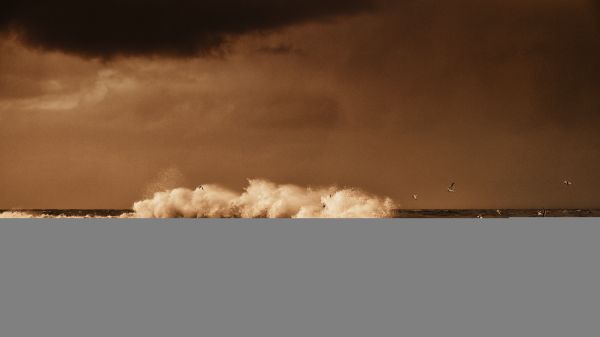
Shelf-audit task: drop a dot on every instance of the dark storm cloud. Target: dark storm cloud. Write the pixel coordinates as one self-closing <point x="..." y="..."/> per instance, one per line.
<point x="105" y="28"/>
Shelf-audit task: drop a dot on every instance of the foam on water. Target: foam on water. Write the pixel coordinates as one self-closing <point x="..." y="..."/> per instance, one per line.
<point x="260" y="199"/>
<point x="264" y="199"/>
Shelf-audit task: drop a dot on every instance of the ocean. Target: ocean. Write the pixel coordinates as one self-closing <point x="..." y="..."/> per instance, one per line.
<point x="397" y="213"/>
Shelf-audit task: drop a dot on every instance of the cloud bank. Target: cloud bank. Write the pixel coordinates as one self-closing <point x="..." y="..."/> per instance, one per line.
<point x="135" y="27"/>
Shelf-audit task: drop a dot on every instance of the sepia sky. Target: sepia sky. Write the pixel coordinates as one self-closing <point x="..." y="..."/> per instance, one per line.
<point x="100" y="102"/>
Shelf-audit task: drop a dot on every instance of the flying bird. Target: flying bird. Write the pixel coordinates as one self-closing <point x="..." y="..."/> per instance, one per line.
<point x="201" y="187"/>
<point x="415" y="196"/>
<point x="568" y="182"/>
<point x="452" y="187"/>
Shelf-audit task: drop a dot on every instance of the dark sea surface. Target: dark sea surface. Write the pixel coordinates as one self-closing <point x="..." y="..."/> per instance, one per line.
<point x="50" y="213"/>
<point x="494" y="213"/>
<point x="399" y="213"/>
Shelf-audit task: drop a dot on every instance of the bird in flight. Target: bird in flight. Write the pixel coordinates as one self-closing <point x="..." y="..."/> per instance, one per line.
<point x="568" y="182"/>
<point x="415" y="196"/>
<point x="452" y="187"/>
<point x="201" y="187"/>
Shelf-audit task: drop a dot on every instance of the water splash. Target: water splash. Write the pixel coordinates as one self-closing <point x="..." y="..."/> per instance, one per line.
<point x="263" y="199"/>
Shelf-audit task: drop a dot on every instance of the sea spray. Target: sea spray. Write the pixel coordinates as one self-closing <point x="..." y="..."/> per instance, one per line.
<point x="263" y="199"/>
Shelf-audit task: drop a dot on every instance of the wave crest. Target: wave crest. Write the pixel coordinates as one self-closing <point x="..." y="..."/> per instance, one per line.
<point x="263" y="199"/>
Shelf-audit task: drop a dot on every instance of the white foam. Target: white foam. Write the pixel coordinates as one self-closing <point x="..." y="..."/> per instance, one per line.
<point x="263" y="199"/>
<point x="15" y="215"/>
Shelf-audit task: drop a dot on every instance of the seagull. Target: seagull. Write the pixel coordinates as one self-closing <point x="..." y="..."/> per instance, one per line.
<point x="415" y="196"/>
<point x="201" y="187"/>
<point x="540" y="213"/>
<point x="568" y="182"/>
<point x="452" y="187"/>
<point x="499" y="212"/>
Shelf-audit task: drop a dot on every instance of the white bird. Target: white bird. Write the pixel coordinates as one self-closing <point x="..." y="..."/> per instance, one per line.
<point x="415" y="196"/>
<point x="201" y="187"/>
<point x="452" y="187"/>
<point x="568" y="182"/>
<point x="499" y="212"/>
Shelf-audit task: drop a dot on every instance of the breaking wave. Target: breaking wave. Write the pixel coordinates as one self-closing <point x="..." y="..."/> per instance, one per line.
<point x="263" y="199"/>
<point x="260" y="199"/>
<point x="15" y="215"/>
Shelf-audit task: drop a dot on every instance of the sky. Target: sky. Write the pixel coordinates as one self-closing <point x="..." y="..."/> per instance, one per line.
<point x="102" y="104"/>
